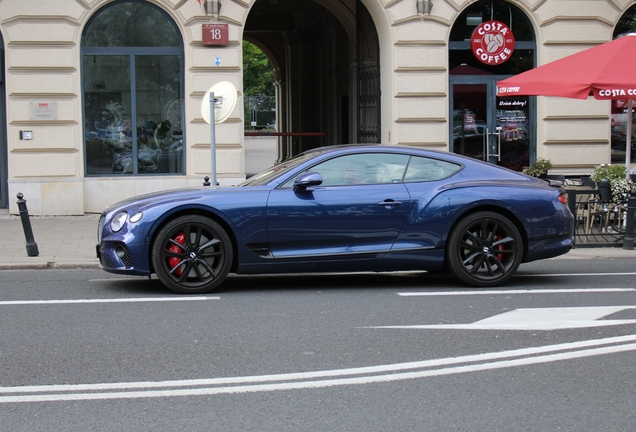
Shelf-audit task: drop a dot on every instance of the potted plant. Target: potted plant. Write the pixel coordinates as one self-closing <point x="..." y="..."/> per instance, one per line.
<point x="539" y="168"/>
<point x="616" y="175"/>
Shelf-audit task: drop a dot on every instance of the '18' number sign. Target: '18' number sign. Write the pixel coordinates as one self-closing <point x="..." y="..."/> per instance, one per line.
<point x="215" y="34"/>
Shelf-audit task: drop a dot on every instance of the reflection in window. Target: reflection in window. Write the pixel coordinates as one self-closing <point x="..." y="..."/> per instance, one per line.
<point x="426" y="169"/>
<point x="133" y="93"/>
<point x="360" y="169"/>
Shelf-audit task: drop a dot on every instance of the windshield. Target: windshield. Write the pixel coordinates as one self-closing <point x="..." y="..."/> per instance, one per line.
<point x="268" y="175"/>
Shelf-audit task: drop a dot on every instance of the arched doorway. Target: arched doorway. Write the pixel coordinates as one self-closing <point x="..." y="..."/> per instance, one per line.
<point x="485" y="126"/>
<point x="327" y="55"/>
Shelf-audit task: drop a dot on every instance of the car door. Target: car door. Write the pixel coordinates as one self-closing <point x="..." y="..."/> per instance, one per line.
<point x="357" y="212"/>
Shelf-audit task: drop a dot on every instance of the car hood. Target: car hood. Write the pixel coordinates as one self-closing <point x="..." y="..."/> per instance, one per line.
<point x="175" y="196"/>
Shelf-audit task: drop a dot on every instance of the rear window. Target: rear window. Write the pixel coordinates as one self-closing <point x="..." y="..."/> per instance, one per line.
<point x="427" y="169"/>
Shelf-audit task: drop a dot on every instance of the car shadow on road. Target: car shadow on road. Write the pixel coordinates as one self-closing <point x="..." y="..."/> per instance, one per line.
<point x="421" y="281"/>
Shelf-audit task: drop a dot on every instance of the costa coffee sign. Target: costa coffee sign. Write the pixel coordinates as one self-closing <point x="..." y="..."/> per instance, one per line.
<point x="492" y="42"/>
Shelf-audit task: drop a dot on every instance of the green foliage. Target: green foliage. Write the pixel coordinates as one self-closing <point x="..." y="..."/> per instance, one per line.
<point x="538" y="168"/>
<point x="258" y="74"/>
<point x="617" y="177"/>
<point x="609" y="172"/>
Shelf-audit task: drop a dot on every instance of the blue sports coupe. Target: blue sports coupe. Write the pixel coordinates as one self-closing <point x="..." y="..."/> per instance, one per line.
<point x="343" y="209"/>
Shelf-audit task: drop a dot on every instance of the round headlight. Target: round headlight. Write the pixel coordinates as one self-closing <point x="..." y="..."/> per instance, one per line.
<point x="136" y="217"/>
<point x="118" y="221"/>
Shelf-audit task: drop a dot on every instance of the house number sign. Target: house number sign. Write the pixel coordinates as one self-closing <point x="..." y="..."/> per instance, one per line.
<point x="215" y="34"/>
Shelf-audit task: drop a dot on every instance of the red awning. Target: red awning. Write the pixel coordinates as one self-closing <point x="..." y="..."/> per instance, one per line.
<point x="605" y="71"/>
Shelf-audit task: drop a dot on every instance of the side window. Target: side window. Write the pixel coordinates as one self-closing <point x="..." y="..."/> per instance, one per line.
<point x="427" y="169"/>
<point x="359" y="169"/>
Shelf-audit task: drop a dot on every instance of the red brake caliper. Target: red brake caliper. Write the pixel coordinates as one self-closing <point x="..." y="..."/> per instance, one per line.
<point x="500" y="247"/>
<point x="174" y="261"/>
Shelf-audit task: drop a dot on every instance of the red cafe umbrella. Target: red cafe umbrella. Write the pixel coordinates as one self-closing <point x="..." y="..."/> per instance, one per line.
<point x="605" y="71"/>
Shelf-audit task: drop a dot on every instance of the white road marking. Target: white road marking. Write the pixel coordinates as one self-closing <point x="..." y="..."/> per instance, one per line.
<point x="576" y="274"/>
<point x="320" y="379"/>
<point x="537" y="319"/>
<point x="476" y="291"/>
<point x="114" y="300"/>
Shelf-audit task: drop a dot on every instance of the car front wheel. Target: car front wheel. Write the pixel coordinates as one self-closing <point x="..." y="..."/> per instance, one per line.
<point x="484" y="249"/>
<point x="192" y="254"/>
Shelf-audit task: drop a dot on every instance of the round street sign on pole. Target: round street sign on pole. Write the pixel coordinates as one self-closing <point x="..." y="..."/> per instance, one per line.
<point x="221" y="100"/>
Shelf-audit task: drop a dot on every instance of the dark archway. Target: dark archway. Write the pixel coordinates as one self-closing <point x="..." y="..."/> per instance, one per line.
<point x="313" y="45"/>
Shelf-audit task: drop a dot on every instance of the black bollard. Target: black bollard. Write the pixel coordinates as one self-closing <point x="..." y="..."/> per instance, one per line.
<point x="206" y="178"/>
<point x="31" y="245"/>
<point x="628" y="240"/>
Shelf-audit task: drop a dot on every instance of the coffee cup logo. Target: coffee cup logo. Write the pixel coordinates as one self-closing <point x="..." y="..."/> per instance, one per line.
<point x="492" y="42"/>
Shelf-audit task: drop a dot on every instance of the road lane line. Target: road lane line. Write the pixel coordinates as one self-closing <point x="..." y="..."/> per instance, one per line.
<point x="575" y="274"/>
<point x="476" y="291"/>
<point x="120" y="300"/>
<point x="321" y="379"/>
<point x="254" y="388"/>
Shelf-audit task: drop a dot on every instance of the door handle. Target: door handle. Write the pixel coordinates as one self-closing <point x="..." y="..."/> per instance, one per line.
<point x="498" y="134"/>
<point x="389" y="203"/>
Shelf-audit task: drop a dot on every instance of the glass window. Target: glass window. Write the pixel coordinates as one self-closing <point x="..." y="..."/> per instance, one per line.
<point x="131" y="24"/>
<point x="360" y="169"/>
<point x="522" y="58"/>
<point x="133" y="91"/>
<point x="426" y="169"/>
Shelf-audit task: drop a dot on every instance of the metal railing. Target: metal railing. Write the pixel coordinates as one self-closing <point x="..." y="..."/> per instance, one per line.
<point x="600" y="223"/>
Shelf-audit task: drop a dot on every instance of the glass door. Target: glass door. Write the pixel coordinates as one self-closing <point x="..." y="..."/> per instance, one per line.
<point x="486" y="127"/>
<point x="512" y="123"/>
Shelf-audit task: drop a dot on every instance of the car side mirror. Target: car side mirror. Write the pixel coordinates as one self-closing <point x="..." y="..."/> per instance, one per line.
<point x="307" y="180"/>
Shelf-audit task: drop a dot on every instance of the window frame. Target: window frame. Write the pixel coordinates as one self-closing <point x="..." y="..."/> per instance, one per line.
<point x="133" y="53"/>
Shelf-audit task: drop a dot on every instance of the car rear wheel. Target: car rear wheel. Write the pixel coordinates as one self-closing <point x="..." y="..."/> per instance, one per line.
<point x="484" y="249"/>
<point x="192" y="254"/>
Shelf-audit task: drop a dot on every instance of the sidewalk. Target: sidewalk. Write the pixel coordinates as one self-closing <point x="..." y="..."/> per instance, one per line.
<point x="69" y="242"/>
<point x="62" y="242"/>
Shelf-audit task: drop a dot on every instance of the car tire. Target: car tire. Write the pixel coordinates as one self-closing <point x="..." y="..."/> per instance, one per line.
<point x="192" y="254"/>
<point x="484" y="249"/>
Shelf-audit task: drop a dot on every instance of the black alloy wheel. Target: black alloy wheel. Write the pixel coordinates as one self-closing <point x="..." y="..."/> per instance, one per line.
<point x="192" y="254"/>
<point x="484" y="249"/>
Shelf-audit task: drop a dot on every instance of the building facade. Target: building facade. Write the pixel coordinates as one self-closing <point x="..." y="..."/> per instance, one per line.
<point x="105" y="99"/>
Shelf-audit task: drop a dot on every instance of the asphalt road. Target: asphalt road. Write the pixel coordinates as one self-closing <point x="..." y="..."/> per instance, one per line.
<point x="553" y="350"/>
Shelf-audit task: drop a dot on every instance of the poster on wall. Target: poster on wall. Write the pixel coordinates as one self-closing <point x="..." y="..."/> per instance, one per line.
<point x="512" y="123"/>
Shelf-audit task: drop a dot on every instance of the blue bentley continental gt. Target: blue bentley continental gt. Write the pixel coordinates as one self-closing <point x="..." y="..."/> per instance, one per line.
<point x="343" y="209"/>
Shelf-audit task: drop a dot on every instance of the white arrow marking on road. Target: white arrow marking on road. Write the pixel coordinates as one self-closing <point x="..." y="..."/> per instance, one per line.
<point x="537" y="319"/>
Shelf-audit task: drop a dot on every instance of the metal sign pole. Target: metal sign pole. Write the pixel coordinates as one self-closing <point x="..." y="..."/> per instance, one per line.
<point x="212" y="140"/>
